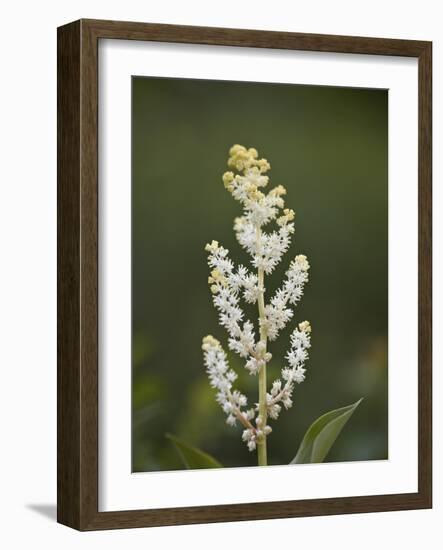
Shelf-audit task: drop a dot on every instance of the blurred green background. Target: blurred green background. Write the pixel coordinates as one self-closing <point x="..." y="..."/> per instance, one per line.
<point x="329" y="147"/>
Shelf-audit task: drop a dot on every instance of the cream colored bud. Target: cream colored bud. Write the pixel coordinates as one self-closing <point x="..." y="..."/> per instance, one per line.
<point x="305" y="326"/>
<point x="302" y="262"/>
<point x="228" y="178"/>
<point x="264" y="165"/>
<point x="210" y="342"/>
<point x="278" y="191"/>
<point x="212" y="247"/>
<point x="235" y="149"/>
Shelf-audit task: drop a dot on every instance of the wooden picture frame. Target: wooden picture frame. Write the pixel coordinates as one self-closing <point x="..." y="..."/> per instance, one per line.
<point x="78" y="274"/>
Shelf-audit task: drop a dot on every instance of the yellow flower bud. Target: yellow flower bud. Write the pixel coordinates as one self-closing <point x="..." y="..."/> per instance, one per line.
<point x="212" y="247"/>
<point x="302" y="262"/>
<point x="235" y="149"/>
<point x="305" y="326"/>
<point x="278" y="191"/>
<point x="210" y="342"/>
<point x="288" y="216"/>
<point x="228" y="178"/>
<point x="289" y="213"/>
<point x="264" y="165"/>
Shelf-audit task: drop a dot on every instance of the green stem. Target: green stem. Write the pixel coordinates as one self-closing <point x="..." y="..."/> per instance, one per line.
<point x="261" y="443"/>
<point x="262" y="408"/>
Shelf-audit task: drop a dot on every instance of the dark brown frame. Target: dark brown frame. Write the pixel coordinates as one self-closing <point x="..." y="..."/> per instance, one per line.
<point x="77" y="456"/>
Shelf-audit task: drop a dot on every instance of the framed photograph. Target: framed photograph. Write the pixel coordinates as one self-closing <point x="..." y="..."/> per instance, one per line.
<point x="244" y="274"/>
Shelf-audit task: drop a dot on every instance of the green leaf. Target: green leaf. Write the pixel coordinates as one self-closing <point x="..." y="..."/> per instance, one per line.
<point x="191" y="456"/>
<point x="322" y="434"/>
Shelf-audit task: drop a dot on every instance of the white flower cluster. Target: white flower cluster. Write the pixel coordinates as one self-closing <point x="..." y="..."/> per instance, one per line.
<point x="252" y="435"/>
<point x="295" y="373"/>
<point x="221" y="377"/>
<point x="225" y="287"/>
<point x="277" y="311"/>
<point x="228" y="284"/>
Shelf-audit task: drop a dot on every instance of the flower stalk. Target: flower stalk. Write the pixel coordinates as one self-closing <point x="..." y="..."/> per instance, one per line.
<point x="229" y="284"/>
<point x="262" y="386"/>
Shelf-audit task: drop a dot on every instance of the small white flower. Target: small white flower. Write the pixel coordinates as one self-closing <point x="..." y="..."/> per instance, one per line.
<point x="221" y="377"/>
<point x="276" y="387"/>
<point x="297" y="355"/>
<point x="249" y="414"/>
<point x="249" y="437"/>
<point x="299" y="374"/>
<point x="230" y="420"/>
<point x="252" y="365"/>
<point x="287" y="401"/>
<point x="274" y="411"/>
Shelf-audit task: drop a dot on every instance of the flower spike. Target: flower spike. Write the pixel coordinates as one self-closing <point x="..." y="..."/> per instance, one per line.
<point x="247" y="181"/>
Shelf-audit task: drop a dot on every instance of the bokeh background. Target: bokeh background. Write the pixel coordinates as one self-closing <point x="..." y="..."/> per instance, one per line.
<point x="329" y="147"/>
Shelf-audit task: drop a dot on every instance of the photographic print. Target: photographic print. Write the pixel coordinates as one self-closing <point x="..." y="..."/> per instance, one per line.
<point x="244" y="287"/>
<point x="259" y="274"/>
